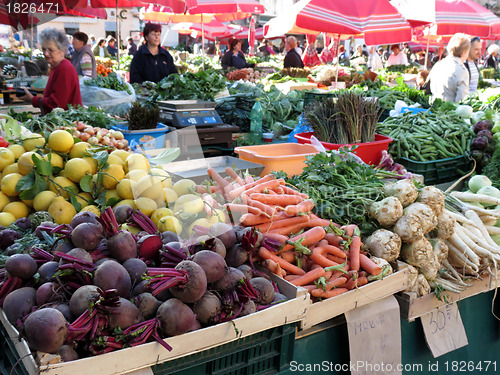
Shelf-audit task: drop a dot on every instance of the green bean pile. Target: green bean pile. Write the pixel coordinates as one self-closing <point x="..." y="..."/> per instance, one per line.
<point x="425" y="136"/>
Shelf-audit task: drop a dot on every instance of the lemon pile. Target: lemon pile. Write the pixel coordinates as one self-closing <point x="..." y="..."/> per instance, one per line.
<point x="128" y="179"/>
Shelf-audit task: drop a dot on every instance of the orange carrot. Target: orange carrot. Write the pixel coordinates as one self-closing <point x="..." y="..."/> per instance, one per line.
<point x="279" y="190"/>
<point x="272" y="192"/>
<point x="274" y="267"/>
<point x="282" y="223"/>
<point x="243" y="208"/>
<point x="320" y="293"/>
<point x="354" y="251"/>
<point x="289" y="190"/>
<point x="318" y="256"/>
<point x="266" y="254"/>
<point x="230" y="172"/>
<point x="282" y="200"/>
<point x="278" y="237"/>
<point x="285" y="231"/>
<point x="309" y="237"/>
<point x="355" y="282"/>
<point x="291" y="277"/>
<point x="217" y="177"/>
<point x="334" y="239"/>
<point x="335" y="282"/>
<point x="309" y="287"/>
<point x="259" y="188"/>
<point x="335" y="259"/>
<point x="323" y="222"/>
<point x="251" y="219"/>
<point x="248" y="180"/>
<point x="369" y="265"/>
<point x="303" y="207"/>
<point x="261" y="206"/>
<point x="210" y="203"/>
<point x="309" y="277"/>
<point x="349" y="229"/>
<point x="248" y="185"/>
<point x="289" y="256"/>
<point x="200" y="189"/>
<point x="332" y="249"/>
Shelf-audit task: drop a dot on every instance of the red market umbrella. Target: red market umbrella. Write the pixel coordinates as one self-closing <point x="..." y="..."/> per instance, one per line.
<point x="379" y="21"/>
<point x="227" y="6"/>
<point x="213" y="29"/>
<point x="251" y="37"/>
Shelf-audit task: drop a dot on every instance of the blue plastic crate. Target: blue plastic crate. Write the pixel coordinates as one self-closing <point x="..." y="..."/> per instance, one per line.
<point x="145" y="139"/>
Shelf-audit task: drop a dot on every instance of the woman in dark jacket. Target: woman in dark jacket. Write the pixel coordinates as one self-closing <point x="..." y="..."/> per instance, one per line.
<point x="151" y="62"/>
<point x="234" y="57"/>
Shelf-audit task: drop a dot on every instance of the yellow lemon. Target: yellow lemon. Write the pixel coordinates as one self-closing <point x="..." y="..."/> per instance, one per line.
<point x="170" y="223"/>
<point x="189" y="203"/>
<point x="8" y="184"/>
<point x="33" y="141"/>
<point x="122" y="154"/>
<point x="77" y="168"/>
<point x="91" y="208"/>
<point x="42" y="200"/>
<point x="217" y="216"/>
<point x="6" y="218"/>
<point x="55" y="160"/>
<point x="200" y="222"/>
<point x="149" y="187"/>
<point x="18" y="209"/>
<point x="130" y="228"/>
<point x="60" y="185"/>
<point x="13" y="168"/>
<point x="61" y="141"/>
<point x="125" y="189"/>
<point x="136" y="175"/>
<point x="18" y="150"/>
<point x="146" y="205"/>
<point x="159" y="213"/>
<point x="112" y="176"/>
<point x="136" y="161"/>
<point x="61" y="210"/>
<point x="84" y="199"/>
<point x="165" y="178"/>
<point x="4" y="200"/>
<point x="169" y="195"/>
<point x="25" y="162"/>
<point x="28" y="203"/>
<point x="112" y="194"/>
<point x="130" y="202"/>
<point x="92" y="162"/>
<point x="113" y="159"/>
<point x="79" y="150"/>
<point x="7" y="157"/>
<point x="184" y="186"/>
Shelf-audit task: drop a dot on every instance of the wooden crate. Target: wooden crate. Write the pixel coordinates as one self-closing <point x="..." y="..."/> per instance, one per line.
<point x="413" y="307"/>
<point x="330" y="308"/>
<point x="144" y="356"/>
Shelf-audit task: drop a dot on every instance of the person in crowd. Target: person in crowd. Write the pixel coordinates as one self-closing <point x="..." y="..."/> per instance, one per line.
<point x="112" y="50"/>
<point x="100" y="50"/>
<point x="299" y="48"/>
<point x="84" y="60"/>
<point x="151" y="62"/>
<point x="234" y="57"/>
<point x="188" y="47"/>
<point x="342" y="54"/>
<point x="214" y="48"/>
<point x="407" y="51"/>
<point x="131" y="47"/>
<point x="420" y="59"/>
<point x="397" y="57"/>
<point x="490" y="61"/>
<point x="421" y="79"/>
<point x="63" y="88"/>
<point x="265" y="49"/>
<point x="359" y="52"/>
<point x="449" y="79"/>
<point x="381" y="53"/>
<point x="471" y="63"/>
<point x="440" y="54"/>
<point x="70" y="51"/>
<point x="292" y="58"/>
<point x="374" y="60"/>
<point x="92" y="41"/>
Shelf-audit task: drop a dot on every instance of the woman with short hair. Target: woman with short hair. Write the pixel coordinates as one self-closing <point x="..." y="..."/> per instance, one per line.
<point x="491" y="60"/>
<point x="63" y="88"/>
<point x="100" y="50"/>
<point x="234" y="57"/>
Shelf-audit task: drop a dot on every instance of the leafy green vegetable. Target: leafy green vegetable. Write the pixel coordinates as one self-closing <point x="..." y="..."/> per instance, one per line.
<point x="492" y="169"/>
<point x="110" y="82"/>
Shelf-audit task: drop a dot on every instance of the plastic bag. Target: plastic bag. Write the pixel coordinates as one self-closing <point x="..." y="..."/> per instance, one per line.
<point x="112" y="101"/>
<point x="301" y="128"/>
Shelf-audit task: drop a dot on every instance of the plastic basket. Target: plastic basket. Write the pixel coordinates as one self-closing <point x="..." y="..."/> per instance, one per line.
<point x="439" y="171"/>
<point x="369" y="152"/>
<point x="146" y="139"/>
<point x="20" y="82"/>
<point x="314" y="96"/>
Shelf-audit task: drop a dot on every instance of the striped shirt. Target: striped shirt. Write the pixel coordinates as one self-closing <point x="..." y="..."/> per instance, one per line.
<point x="474" y="76"/>
<point x="86" y="65"/>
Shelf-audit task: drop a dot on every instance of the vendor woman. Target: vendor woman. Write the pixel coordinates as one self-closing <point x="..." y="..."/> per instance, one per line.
<point x="62" y="87"/>
<point x="234" y="57"/>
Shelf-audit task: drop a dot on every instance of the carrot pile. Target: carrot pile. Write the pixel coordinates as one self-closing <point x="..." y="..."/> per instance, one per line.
<point x="315" y="253"/>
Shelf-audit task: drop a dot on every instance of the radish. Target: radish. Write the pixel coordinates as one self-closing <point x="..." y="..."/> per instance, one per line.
<point x="45" y="330"/>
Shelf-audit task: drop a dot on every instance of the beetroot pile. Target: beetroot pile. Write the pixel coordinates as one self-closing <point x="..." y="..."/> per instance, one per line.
<point x="100" y="288"/>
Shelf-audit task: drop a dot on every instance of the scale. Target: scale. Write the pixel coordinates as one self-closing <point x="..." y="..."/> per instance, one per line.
<point x="184" y="113"/>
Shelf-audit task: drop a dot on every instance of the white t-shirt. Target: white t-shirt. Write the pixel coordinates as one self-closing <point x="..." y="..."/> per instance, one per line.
<point x="400" y="59"/>
<point x="474" y="76"/>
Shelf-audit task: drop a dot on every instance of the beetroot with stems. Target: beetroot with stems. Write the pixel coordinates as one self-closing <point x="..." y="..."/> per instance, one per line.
<point x="236" y="255"/>
<point x="248" y="308"/>
<point x="49" y="292"/>
<point x="87" y="236"/>
<point x="19" y="303"/>
<point x="82" y="298"/>
<point x="112" y="275"/>
<point x="124" y="315"/>
<point x="64" y="309"/>
<point x="149" y="246"/>
<point x="45" y="330"/>
<point x="176" y="318"/>
<point x="230" y="280"/>
<point x="64" y="247"/>
<point x="265" y="290"/>
<point x="208" y="309"/>
<point x="196" y="284"/>
<point x="21" y="265"/>
<point x="84" y="217"/>
<point x="78" y="253"/>
<point x="45" y="226"/>
<point x="247" y="271"/>
<point x="120" y="244"/>
<point x="136" y="269"/>
<point x="147" y="304"/>
<point x="123" y="213"/>
<point x="212" y="263"/>
<point x="169" y="236"/>
<point x="47" y="271"/>
<point x="67" y="353"/>
<point x="224" y="232"/>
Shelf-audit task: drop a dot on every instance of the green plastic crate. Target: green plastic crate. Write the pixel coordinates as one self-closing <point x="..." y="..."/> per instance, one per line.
<point x="9" y="359"/>
<point x="439" y="171"/>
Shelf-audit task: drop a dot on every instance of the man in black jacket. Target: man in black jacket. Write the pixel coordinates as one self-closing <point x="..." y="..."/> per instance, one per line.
<point x="292" y="58"/>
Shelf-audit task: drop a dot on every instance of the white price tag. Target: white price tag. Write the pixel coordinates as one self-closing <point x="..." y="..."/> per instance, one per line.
<point x="375" y="338"/>
<point x="444" y="330"/>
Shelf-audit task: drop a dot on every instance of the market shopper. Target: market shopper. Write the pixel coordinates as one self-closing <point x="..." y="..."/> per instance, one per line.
<point x="374" y="60"/>
<point x="471" y="63"/>
<point x="397" y="57"/>
<point x="83" y="60"/>
<point x="131" y="47"/>
<point x="449" y="79"/>
<point x="292" y="58"/>
<point x="110" y="46"/>
<point x="100" y="50"/>
<point x="63" y="88"/>
<point x="234" y="57"/>
<point x="490" y="61"/>
<point x="151" y="62"/>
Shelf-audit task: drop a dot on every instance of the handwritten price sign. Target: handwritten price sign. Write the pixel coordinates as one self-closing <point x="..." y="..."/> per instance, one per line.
<point x="444" y="330"/>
